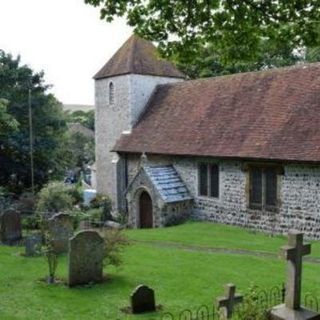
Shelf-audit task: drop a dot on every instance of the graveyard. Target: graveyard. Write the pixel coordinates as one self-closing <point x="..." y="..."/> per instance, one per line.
<point x="185" y="270"/>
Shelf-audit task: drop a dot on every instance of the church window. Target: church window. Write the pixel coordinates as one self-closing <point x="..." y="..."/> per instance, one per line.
<point x="209" y="180"/>
<point x="111" y="93"/>
<point x="263" y="188"/>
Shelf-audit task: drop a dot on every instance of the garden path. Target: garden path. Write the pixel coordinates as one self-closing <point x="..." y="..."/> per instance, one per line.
<point x="167" y="244"/>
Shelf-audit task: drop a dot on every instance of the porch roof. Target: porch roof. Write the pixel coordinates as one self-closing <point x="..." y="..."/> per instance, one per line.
<point x="168" y="183"/>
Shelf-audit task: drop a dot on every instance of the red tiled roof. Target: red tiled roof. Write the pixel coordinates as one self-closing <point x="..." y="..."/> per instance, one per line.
<point x="260" y="115"/>
<point x="138" y="56"/>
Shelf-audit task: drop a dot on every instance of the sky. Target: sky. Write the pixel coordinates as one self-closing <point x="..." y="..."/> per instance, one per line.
<point x="64" y="38"/>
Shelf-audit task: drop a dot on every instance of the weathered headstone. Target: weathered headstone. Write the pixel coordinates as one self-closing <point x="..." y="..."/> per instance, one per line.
<point x="229" y="301"/>
<point x="292" y="309"/>
<point x="142" y="300"/>
<point x="33" y="245"/>
<point x="60" y="229"/>
<point x="86" y="252"/>
<point x="10" y="226"/>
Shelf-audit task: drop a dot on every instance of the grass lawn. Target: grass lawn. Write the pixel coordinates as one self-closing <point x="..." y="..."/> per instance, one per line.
<point x="181" y="278"/>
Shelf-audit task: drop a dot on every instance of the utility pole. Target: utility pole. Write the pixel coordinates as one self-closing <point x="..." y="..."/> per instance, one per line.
<point x="31" y="140"/>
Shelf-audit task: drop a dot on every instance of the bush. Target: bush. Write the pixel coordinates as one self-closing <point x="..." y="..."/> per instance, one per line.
<point x="31" y="222"/>
<point x="114" y="243"/>
<point x="251" y="309"/>
<point x="122" y="218"/>
<point x="94" y="216"/>
<point x="54" y="198"/>
<point x="104" y="203"/>
<point x="6" y="198"/>
<point x="51" y="258"/>
<point x="78" y="216"/>
<point x="76" y="192"/>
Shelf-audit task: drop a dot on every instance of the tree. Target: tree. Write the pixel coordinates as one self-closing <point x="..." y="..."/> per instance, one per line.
<point x="81" y="137"/>
<point x="82" y="149"/>
<point x="208" y="63"/>
<point x="86" y="118"/>
<point x="8" y="124"/>
<point x="236" y="32"/>
<point x="51" y="157"/>
<point x="54" y="198"/>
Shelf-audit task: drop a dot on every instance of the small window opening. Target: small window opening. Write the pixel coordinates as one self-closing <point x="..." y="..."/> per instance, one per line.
<point x="111" y="93"/>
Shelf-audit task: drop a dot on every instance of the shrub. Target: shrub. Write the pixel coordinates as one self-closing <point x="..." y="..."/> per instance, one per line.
<point x="78" y="216"/>
<point x="53" y="198"/>
<point x="114" y="243"/>
<point x="51" y="258"/>
<point x="31" y="222"/>
<point x="251" y="309"/>
<point x="76" y="192"/>
<point x="92" y="215"/>
<point x="122" y="217"/>
<point x="104" y="203"/>
<point x="5" y="198"/>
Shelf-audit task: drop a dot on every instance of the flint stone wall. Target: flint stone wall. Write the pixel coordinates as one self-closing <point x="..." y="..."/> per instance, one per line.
<point x="298" y="192"/>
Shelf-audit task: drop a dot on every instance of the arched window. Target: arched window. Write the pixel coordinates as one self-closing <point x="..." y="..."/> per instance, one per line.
<point x="111" y="93"/>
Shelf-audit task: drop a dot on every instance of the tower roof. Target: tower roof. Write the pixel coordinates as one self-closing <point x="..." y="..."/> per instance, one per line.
<point x="138" y="56"/>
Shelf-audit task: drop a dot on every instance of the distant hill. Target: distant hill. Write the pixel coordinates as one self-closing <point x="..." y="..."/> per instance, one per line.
<point x="77" y="107"/>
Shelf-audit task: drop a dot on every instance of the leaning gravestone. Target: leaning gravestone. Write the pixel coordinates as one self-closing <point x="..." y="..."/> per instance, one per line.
<point x="86" y="252"/>
<point x="10" y="227"/>
<point x="60" y="229"/>
<point x="143" y="300"/>
<point x="33" y="245"/>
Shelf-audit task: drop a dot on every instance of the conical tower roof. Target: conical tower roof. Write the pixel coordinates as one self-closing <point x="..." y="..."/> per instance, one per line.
<point x="138" y="56"/>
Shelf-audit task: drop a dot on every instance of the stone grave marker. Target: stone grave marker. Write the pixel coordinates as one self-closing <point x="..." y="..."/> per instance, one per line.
<point x="142" y="300"/>
<point x="86" y="252"/>
<point x="229" y="301"/>
<point x="33" y="244"/>
<point x="60" y="229"/>
<point x="292" y="309"/>
<point x="10" y="226"/>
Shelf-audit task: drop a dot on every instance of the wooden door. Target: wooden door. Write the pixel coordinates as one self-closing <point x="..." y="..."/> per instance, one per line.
<point x="146" y="215"/>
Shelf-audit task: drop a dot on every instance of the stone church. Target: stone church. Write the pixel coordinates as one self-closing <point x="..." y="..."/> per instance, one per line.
<point x="241" y="149"/>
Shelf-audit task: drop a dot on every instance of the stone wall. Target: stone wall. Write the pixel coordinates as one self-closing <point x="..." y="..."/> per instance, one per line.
<point x="142" y="87"/>
<point x="111" y="121"/>
<point x="131" y="94"/>
<point x="299" y="195"/>
<point x="137" y="187"/>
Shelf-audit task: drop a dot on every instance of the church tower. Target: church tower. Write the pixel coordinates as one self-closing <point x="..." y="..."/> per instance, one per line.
<point x="122" y="89"/>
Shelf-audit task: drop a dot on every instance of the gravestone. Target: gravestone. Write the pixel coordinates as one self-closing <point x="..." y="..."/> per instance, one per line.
<point x="229" y="301"/>
<point x="142" y="300"/>
<point x="292" y="309"/>
<point x="86" y="252"/>
<point x="60" y="229"/>
<point x="33" y="245"/>
<point x="10" y="226"/>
